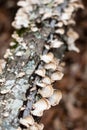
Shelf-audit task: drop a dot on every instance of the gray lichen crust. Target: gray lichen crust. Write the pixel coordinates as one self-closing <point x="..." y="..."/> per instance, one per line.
<point x="33" y="61"/>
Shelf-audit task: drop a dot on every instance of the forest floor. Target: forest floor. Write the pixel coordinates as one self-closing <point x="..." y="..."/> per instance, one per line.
<point x="71" y="113"/>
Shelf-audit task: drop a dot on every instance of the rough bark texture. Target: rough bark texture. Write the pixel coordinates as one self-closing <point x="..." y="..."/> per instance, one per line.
<point x="13" y="89"/>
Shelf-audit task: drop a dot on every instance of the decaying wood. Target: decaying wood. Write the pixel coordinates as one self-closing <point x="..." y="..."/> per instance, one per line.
<point x="13" y="88"/>
<point x="18" y="91"/>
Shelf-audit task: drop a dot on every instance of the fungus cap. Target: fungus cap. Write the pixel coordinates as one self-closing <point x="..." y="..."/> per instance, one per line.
<point x="55" y="98"/>
<point x="46" y="91"/>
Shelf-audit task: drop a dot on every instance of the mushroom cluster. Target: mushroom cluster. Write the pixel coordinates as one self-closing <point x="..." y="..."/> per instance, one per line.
<point x="2" y="65"/>
<point x="58" y="15"/>
<point x="30" y="123"/>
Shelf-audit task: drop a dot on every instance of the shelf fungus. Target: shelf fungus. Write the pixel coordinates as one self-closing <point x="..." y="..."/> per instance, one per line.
<point x="56" y="43"/>
<point x="46" y="91"/>
<point x="46" y="80"/>
<point x="57" y="76"/>
<point x="27" y="121"/>
<point x="40" y="72"/>
<point x="34" y="62"/>
<point x="47" y="58"/>
<point x="52" y="65"/>
<point x="2" y="65"/>
<point x="55" y="98"/>
<point x="30" y="123"/>
<point x="40" y="84"/>
<point x="40" y="106"/>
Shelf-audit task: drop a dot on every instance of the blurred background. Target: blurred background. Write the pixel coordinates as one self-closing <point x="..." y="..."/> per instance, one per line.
<point x="71" y="113"/>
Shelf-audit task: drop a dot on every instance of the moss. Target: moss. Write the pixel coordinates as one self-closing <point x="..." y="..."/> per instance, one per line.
<point x="21" y="31"/>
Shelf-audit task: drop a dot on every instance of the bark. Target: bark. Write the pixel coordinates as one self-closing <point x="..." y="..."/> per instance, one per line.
<point x="13" y="89"/>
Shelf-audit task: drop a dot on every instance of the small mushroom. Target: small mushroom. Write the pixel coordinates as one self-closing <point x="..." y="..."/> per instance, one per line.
<point x="24" y="122"/>
<point x="12" y="44"/>
<point x="21" y="19"/>
<point x="40" y="72"/>
<point x="46" y="91"/>
<point x="7" y="54"/>
<point x="59" y="24"/>
<point x="51" y="66"/>
<point x="60" y="31"/>
<point x="40" y="84"/>
<point x="72" y="34"/>
<point x="23" y="3"/>
<point x="40" y="106"/>
<point x="30" y="120"/>
<point x="47" y="15"/>
<point x="57" y="76"/>
<point x="65" y="16"/>
<point x="19" y="53"/>
<point x="6" y="114"/>
<point x="34" y="29"/>
<point x="46" y="80"/>
<point x="56" y="43"/>
<point x="2" y="65"/>
<point x="47" y="57"/>
<point x="72" y="47"/>
<point x="27" y="121"/>
<point x="5" y="91"/>
<point x="55" y="98"/>
<point x="60" y="67"/>
<point x="47" y="46"/>
<point x="17" y="37"/>
<point x="36" y="127"/>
